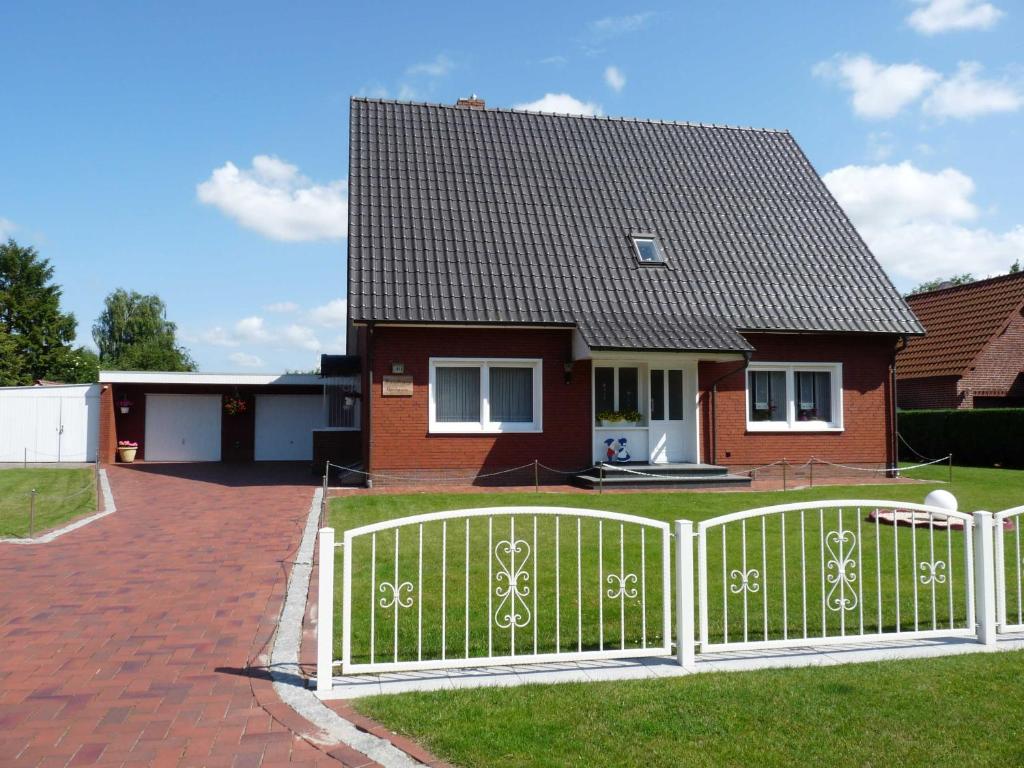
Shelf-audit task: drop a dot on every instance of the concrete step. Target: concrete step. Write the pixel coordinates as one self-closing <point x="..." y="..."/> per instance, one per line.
<point x="661" y="476"/>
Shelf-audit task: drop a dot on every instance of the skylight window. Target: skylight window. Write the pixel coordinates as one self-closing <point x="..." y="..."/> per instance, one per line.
<point x="647" y="249"/>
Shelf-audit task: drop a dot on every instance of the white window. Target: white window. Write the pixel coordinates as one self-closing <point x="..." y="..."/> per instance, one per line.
<point x="496" y="395"/>
<point x="800" y="397"/>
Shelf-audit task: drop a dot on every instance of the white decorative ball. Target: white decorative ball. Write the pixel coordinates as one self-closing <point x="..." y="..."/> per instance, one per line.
<point x="941" y="499"/>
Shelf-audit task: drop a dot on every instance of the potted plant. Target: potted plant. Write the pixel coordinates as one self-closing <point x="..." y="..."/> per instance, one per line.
<point x="125" y="404"/>
<point x="126" y="450"/>
<point x="628" y="418"/>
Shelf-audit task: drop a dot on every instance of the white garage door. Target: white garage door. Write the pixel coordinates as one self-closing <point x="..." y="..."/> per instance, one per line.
<point x="284" y="426"/>
<point x="182" y="428"/>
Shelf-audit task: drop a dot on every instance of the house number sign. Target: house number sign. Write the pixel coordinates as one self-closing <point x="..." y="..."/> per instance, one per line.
<point x="396" y="386"/>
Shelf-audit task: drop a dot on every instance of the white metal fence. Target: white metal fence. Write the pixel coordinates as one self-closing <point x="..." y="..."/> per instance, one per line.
<point x="535" y="584"/>
<point x="498" y="586"/>
<point x="828" y="571"/>
<point x="1009" y="569"/>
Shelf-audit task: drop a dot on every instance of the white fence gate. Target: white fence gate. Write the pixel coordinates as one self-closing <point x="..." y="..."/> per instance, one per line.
<point x="535" y="584"/>
<point x="499" y="586"/>
<point x="49" y="424"/>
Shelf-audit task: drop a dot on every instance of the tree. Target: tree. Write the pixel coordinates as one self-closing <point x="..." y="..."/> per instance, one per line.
<point x="943" y="282"/>
<point x="133" y="333"/>
<point x="35" y="335"/>
<point x="1015" y="267"/>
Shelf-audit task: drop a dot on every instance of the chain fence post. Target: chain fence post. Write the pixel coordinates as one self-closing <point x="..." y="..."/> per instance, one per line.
<point x="951" y="467"/>
<point x="31" y="513"/>
<point x="536" y="477"/>
<point x="24" y="463"/>
<point x="785" y="464"/>
<point x="811" y="470"/>
<point x="600" y="482"/>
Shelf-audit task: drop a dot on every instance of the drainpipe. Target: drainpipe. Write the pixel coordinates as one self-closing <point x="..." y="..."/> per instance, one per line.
<point x="894" y="446"/>
<point x="714" y="404"/>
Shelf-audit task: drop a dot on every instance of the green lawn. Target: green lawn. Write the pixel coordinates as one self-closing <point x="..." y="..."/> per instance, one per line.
<point x="878" y="713"/>
<point x="952" y="711"/>
<point x="62" y="494"/>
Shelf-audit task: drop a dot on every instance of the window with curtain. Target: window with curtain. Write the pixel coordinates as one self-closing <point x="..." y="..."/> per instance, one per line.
<point x="768" y="399"/>
<point x="794" y="396"/>
<point x="814" y="395"/>
<point x="485" y="395"/>
<point x="457" y="394"/>
<point x="511" y="394"/>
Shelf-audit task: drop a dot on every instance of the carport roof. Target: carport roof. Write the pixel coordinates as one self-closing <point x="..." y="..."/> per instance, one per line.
<point x="239" y="379"/>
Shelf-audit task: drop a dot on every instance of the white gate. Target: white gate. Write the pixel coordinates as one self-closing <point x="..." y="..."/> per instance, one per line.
<point x="498" y="586"/>
<point x="833" y="571"/>
<point x="1009" y="570"/>
<point x="49" y="424"/>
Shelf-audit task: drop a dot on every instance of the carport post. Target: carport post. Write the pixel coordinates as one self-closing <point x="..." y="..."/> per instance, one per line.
<point x="325" y="613"/>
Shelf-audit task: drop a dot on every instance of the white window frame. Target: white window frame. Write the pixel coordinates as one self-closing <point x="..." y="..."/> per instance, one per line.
<point x="485" y="425"/>
<point x="791" y="424"/>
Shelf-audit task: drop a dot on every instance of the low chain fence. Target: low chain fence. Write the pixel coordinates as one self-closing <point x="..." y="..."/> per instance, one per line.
<point x="28" y="513"/>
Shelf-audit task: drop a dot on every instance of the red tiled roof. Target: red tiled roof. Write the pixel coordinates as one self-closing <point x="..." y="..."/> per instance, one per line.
<point x="959" y="321"/>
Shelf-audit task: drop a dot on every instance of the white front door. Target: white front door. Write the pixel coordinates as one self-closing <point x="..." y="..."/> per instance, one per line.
<point x="671" y="420"/>
<point x="284" y="426"/>
<point x="182" y="428"/>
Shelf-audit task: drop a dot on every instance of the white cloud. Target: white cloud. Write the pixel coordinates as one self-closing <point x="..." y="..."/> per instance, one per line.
<point x="935" y="16"/>
<point x="252" y="329"/>
<point x="561" y="103"/>
<point x="330" y="315"/>
<point x="274" y="199"/>
<point x="246" y="360"/>
<point x="218" y="337"/>
<point x="917" y="222"/>
<point x="614" y="78"/>
<point x="879" y="91"/>
<point x="300" y="336"/>
<point x="6" y="228"/>
<point x="282" y="307"/>
<point x="966" y="95"/>
<point x="439" y="66"/>
<point x="614" y="26"/>
<point x="557" y="59"/>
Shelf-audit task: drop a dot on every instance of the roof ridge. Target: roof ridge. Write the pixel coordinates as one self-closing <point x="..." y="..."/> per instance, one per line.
<point x="964" y="286"/>
<point x="608" y="118"/>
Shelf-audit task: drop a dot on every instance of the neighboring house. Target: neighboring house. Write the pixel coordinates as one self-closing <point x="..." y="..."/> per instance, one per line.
<point x="513" y="276"/>
<point x="973" y="355"/>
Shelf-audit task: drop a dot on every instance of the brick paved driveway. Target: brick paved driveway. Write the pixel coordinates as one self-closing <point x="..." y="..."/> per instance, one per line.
<point x="123" y="643"/>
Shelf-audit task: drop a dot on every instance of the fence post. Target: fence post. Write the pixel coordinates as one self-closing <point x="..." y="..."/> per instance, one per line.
<point x="600" y="474"/>
<point x="325" y="613"/>
<point x="811" y="463"/>
<point x="784" y="465"/>
<point x="951" y="467"/>
<point x="685" y="644"/>
<point x="24" y="464"/>
<point x="536" y="477"/>
<point x="984" y="579"/>
<point x="32" y="513"/>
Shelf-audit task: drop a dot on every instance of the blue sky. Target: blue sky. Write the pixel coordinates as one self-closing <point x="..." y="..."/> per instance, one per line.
<point x="198" y="150"/>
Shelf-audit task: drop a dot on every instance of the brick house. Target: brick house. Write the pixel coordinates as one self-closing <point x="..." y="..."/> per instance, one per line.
<point x="973" y="355"/>
<point x="574" y="290"/>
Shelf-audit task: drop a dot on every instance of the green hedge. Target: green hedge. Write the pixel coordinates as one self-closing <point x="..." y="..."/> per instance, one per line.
<point x="980" y="438"/>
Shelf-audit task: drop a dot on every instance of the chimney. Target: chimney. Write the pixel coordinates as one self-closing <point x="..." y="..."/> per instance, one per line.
<point x="473" y="102"/>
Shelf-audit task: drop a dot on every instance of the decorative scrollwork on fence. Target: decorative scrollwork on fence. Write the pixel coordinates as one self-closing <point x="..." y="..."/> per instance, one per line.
<point x="842" y="570"/>
<point x="512" y="609"/>
<point x="622" y="590"/>
<point x="933" y="571"/>
<point x="747" y="581"/>
<point x="393" y="595"/>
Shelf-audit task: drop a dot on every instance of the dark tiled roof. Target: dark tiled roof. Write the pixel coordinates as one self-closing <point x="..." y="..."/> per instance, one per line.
<point x="499" y="216"/>
<point x="959" y="321"/>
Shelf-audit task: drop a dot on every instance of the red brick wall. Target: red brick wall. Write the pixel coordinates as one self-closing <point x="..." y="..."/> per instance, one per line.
<point x="399" y="435"/>
<point x="108" y="426"/>
<point x="867" y="392"/>
<point x="932" y="392"/>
